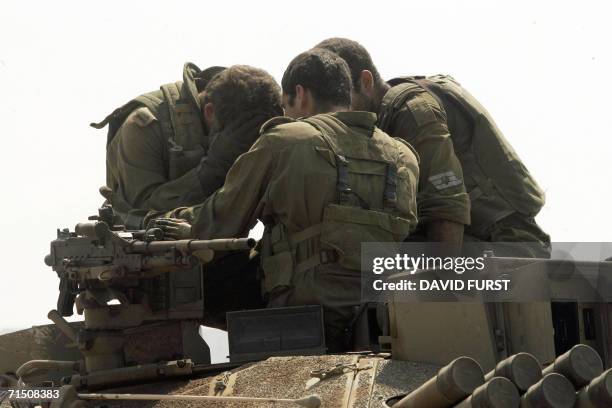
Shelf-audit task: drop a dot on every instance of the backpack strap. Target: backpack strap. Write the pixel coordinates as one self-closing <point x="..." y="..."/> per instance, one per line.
<point x="393" y="100"/>
<point x="342" y="185"/>
<point x="116" y="118"/>
<point x="390" y="193"/>
<point x="176" y="105"/>
<point x="176" y="133"/>
<point x="438" y="91"/>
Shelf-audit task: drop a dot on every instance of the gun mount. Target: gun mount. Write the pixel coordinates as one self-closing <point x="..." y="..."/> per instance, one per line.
<point x="132" y="286"/>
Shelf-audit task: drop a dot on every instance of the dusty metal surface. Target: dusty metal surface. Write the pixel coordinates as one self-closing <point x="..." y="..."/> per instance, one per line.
<point x="375" y="380"/>
<point x="399" y="377"/>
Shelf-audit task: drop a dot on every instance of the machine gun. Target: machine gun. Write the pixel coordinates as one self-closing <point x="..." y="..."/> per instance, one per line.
<point x="131" y="287"/>
<point x="99" y="259"/>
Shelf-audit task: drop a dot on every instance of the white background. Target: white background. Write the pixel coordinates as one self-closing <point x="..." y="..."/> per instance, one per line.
<point x="543" y="70"/>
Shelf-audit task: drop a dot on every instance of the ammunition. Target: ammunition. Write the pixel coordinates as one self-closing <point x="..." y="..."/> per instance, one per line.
<point x="552" y="391"/>
<point x="522" y="369"/>
<point x="598" y="394"/>
<point x="580" y="365"/>
<point x="453" y="383"/>
<point x="498" y="392"/>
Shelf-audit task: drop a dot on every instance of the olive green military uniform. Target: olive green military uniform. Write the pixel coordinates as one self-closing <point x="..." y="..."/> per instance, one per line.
<point x="461" y="149"/>
<point x="321" y="186"/>
<point x="159" y="154"/>
<point x="419" y="119"/>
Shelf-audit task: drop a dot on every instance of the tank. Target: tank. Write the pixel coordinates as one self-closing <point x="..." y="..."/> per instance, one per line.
<point x="146" y="350"/>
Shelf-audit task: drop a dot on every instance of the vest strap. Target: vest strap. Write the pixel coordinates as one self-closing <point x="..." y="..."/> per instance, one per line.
<point x="323" y="257"/>
<point x="308" y="233"/>
<point x="390" y="193"/>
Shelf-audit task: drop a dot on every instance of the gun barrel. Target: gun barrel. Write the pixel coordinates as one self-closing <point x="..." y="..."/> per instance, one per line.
<point x="597" y="394"/>
<point x="523" y="369"/>
<point x="552" y="391"/>
<point x="453" y="383"/>
<point x="192" y="245"/>
<point x="498" y="392"/>
<point x="580" y="365"/>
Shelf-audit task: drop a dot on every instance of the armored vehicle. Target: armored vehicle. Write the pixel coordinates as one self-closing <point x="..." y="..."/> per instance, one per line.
<point x="142" y="301"/>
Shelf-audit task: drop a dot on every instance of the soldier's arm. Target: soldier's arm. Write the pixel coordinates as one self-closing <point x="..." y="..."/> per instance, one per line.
<point x="137" y="158"/>
<point x="442" y="199"/>
<point x="233" y="209"/>
<point x="226" y="146"/>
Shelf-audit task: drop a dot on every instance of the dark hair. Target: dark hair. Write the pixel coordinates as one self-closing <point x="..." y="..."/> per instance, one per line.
<point x="242" y="89"/>
<point x="323" y="73"/>
<point x="355" y="55"/>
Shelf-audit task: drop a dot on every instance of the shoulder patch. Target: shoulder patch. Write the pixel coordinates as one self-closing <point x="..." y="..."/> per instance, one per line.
<point x="143" y="117"/>
<point x="278" y="120"/>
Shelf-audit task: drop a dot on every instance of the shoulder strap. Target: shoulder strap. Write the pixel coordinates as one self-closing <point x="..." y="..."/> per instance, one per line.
<point x="182" y="105"/>
<point x="342" y="185"/>
<point x="176" y="132"/>
<point x="115" y="119"/>
<point x="393" y="100"/>
<point x="441" y="90"/>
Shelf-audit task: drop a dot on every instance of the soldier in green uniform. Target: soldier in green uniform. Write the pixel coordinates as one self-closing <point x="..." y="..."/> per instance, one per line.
<point x="144" y="173"/>
<point x="462" y="153"/>
<point x="321" y="185"/>
<point x="162" y="153"/>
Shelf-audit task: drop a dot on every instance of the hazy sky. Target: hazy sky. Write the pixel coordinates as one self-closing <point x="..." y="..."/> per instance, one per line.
<point x="542" y="69"/>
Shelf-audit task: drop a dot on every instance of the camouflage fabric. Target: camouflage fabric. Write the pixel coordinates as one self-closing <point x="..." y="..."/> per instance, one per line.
<point x="289" y="178"/>
<point x="498" y="184"/>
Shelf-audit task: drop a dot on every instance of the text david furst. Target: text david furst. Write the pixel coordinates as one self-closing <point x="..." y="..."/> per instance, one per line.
<point x="443" y="285"/>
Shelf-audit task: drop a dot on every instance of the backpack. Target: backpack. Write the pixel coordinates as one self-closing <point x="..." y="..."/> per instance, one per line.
<point x="177" y="108"/>
<point x="496" y="179"/>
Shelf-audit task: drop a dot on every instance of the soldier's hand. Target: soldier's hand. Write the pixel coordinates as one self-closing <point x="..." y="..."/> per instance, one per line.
<point x="173" y="228"/>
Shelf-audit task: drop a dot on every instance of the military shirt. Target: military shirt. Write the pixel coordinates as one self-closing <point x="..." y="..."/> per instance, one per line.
<point x="289" y="176"/>
<point x="498" y="183"/>
<point x="421" y="121"/>
<point x="284" y="175"/>
<point x="137" y="162"/>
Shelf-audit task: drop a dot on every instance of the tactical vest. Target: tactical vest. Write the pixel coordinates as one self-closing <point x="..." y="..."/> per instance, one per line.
<point x="177" y="109"/>
<point x="365" y="210"/>
<point x="497" y="181"/>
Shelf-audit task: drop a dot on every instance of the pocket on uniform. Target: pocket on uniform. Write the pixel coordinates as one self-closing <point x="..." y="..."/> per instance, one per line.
<point x="345" y="228"/>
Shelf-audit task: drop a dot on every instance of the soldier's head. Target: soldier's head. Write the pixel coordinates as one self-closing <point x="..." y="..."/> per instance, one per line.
<point x="316" y="81"/>
<point x="368" y="86"/>
<point x="237" y="92"/>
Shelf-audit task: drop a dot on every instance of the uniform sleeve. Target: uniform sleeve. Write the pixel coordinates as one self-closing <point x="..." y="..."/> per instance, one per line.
<point x="233" y="210"/>
<point x="138" y="162"/>
<point x="441" y="191"/>
<point x="227" y="145"/>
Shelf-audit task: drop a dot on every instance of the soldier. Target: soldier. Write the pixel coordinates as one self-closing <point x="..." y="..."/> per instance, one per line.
<point x="163" y="153"/>
<point x="321" y="185"/>
<point x="460" y="149"/>
<point x="229" y="97"/>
